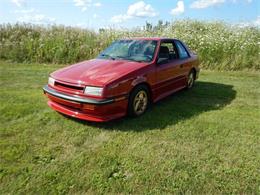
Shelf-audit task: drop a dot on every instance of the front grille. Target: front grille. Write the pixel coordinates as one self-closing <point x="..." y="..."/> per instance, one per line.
<point x="69" y="87"/>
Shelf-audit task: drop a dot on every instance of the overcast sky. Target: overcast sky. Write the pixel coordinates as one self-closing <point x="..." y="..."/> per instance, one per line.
<point x="96" y="14"/>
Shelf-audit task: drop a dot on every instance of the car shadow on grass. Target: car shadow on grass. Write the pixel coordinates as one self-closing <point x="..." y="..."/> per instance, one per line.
<point x="182" y="105"/>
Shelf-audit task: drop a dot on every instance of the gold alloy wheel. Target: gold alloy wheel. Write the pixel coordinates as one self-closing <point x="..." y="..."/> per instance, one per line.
<point x="140" y="102"/>
<point x="190" y="80"/>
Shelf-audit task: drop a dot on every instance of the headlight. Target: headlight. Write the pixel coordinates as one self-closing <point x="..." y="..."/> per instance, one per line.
<point x="96" y="91"/>
<point x="51" y="81"/>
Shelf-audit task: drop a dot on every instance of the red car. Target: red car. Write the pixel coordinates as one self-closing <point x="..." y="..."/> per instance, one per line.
<point x="124" y="79"/>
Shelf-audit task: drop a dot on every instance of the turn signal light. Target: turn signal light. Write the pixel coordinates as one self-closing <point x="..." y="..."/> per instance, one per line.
<point x="89" y="107"/>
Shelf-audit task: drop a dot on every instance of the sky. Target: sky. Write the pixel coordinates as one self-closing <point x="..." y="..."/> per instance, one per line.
<point x="97" y="14"/>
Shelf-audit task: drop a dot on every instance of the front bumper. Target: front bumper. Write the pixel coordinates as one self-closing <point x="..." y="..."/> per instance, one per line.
<point x="86" y="108"/>
<point x="78" y="99"/>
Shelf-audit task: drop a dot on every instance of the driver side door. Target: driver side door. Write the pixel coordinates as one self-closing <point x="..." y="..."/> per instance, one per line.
<point x="169" y="77"/>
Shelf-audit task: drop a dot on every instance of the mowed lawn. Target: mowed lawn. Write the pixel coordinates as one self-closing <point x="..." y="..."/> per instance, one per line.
<point x="206" y="140"/>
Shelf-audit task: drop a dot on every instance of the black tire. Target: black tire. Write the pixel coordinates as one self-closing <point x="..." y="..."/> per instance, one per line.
<point x="138" y="92"/>
<point x="191" y="79"/>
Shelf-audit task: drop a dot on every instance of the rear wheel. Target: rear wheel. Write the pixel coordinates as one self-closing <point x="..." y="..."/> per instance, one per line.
<point x="191" y="79"/>
<point x="138" y="101"/>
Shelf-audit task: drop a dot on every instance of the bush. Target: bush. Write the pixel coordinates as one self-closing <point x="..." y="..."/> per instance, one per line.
<point x="219" y="45"/>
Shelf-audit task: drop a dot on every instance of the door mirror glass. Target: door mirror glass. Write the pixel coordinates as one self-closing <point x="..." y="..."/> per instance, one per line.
<point x="162" y="60"/>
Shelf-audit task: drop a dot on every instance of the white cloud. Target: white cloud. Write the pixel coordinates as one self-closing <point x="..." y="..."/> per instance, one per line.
<point x="247" y="1"/>
<point x="24" y="11"/>
<point x="36" y="18"/>
<point x="257" y="22"/>
<point x="179" y="9"/>
<point x="19" y="3"/>
<point x="254" y="23"/>
<point x="139" y="9"/>
<point x="33" y="16"/>
<point x="97" y="4"/>
<point x="81" y="25"/>
<point x="200" y="4"/>
<point x="85" y="4"/>
<point x="120" y="18"/>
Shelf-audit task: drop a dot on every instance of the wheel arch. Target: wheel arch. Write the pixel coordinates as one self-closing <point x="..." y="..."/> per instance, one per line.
<point x="148" y="87"/>
<point x="193" y="69"/>
<point x="133" y="92"/>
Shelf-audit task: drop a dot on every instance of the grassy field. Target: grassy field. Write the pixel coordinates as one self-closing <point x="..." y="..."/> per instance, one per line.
<point x="206" y="140"/>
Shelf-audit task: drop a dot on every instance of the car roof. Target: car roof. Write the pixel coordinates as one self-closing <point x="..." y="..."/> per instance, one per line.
<point x="151" y="38"/>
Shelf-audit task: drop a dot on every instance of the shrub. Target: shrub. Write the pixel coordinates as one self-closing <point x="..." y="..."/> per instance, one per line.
<point x="219" y="45"/>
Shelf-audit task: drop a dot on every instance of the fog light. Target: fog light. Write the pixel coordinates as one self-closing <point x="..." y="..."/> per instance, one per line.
<point x="89" y="107"/>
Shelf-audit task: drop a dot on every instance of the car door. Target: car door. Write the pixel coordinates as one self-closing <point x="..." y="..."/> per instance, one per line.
<point x="183" y="58"/>
<point x="169" y="77"/>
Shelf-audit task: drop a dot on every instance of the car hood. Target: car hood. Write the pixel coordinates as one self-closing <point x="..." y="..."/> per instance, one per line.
<point x="96" y="72"/>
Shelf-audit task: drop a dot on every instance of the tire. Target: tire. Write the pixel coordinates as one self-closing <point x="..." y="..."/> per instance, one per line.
<point x="138" y="101"/>
<point x="191" y="79"/>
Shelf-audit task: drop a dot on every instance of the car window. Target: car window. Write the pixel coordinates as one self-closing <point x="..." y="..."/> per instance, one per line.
<point x="135" y="50"/>
<point x="119" y="49"/>
<point x="182" y="51"/>
<point x="172" y="49"/>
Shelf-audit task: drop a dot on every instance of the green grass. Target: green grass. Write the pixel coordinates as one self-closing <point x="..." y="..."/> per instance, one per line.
<point x="206" y="140"/>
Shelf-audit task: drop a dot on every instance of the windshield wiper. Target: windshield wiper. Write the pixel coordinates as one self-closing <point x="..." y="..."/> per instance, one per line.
<point x="138" y="60"/>
<point x="106" y="55"/>
<point x="122" y="57"/>
<point x="127" y="58"/>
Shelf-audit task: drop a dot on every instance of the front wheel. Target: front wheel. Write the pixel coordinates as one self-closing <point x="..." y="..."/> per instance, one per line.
<point x="191" y="79"/>
<point x="138" y="101"/>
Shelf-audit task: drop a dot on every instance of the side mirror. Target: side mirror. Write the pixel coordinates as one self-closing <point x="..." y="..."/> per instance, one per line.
<point x="162" y="61"/>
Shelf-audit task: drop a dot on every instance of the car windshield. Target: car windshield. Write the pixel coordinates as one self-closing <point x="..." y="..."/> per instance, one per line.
<point x="134" y="50"/>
